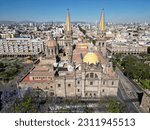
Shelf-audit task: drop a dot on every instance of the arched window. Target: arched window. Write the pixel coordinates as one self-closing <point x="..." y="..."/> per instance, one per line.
<point x="112" y="83"/>
<point x="103" y="82"/>
<point x="103" y="44"/>
<point x="78" y="82"/>
<point x="87" y="76"/>
<point x="86" y="94"/>
<point x="48" y="51"/>
<point x="96" y="76"/>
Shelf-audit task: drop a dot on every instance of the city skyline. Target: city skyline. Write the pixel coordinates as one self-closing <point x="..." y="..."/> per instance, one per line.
<point x="116" y="11"/>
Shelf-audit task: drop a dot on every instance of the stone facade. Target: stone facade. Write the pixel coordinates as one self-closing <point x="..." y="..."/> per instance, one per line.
<point x="88" y="82"/>
<point x="126" y="49"/>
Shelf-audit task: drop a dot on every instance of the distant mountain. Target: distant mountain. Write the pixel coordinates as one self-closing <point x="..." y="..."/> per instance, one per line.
<point x="7" y="22"/>
<point x="27" y="22"/>
<point x="57" y="22"/>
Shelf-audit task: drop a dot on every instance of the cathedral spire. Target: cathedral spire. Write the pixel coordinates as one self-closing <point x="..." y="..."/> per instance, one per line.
<point x="68" y="23"/>
<point x="102" y="21"/>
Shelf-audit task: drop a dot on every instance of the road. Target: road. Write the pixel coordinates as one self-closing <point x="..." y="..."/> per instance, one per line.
<point x="128" y="92"/>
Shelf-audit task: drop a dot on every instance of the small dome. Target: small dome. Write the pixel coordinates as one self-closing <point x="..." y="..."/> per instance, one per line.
<point x="51" y="43"/>
<point x="90" y="58"/>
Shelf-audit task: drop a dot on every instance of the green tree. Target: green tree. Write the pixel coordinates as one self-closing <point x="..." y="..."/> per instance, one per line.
<point x="115" y="107"/>
<point x="2" y="65"/>
<point x="88" y="110"/>
<point x="27" y="105"/>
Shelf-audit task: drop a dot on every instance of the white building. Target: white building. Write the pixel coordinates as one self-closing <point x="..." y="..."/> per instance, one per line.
<point x="20" y="46"/>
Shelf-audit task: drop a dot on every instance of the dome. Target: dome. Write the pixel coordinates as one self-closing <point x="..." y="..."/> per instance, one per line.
<point x="51" y="43"/>
<point x="90" y="58"/>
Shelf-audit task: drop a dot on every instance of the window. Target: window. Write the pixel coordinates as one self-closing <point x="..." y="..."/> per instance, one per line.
<point x="86" y="94"/>
<point x="59" y="85"/>
<point x="78" y="90"/>
<point x="69" y="85"/>
<point x="94" y="94"/>
<point x="91" y="75"/>
<point x="91" y="83"/>
<point x="90" y="94"/>
<point x="51" y="86"/>
<point x="103" y="82"/>
<point x="96" y="76"/>
<point x="103" y="44"/>
<point x="87" y="76"/>
<point x="51" y="93"/>
<point x="49" y="51"/>
<point x="112" y="83"/>
<point x="78" y="82"/>
<point x="103" y="90"/>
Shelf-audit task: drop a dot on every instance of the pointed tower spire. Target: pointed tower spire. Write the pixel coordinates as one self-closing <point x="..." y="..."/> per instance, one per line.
<point x="102" y="21"/>
<point x="68" y="23"/>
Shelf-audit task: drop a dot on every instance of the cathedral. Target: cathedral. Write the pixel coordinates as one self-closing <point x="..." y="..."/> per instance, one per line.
<point x="74" y="70"/>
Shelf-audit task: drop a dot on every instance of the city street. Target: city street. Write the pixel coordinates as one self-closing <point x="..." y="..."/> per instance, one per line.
<point x="128" y="92"/>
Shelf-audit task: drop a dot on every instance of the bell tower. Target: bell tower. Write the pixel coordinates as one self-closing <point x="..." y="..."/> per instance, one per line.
<point x="101" y="35"/>
<point x="68" y="32"/>
<point x="68" y="38"/>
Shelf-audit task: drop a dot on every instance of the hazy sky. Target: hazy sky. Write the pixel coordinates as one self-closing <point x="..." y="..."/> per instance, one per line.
<point x="80" y="10"/>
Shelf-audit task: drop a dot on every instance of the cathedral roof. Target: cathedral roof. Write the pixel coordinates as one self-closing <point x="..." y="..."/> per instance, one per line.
<point x="91" y="58"/>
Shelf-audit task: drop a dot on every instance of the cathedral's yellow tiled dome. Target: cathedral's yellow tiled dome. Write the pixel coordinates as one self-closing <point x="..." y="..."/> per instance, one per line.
<point x="90" y="58"/>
